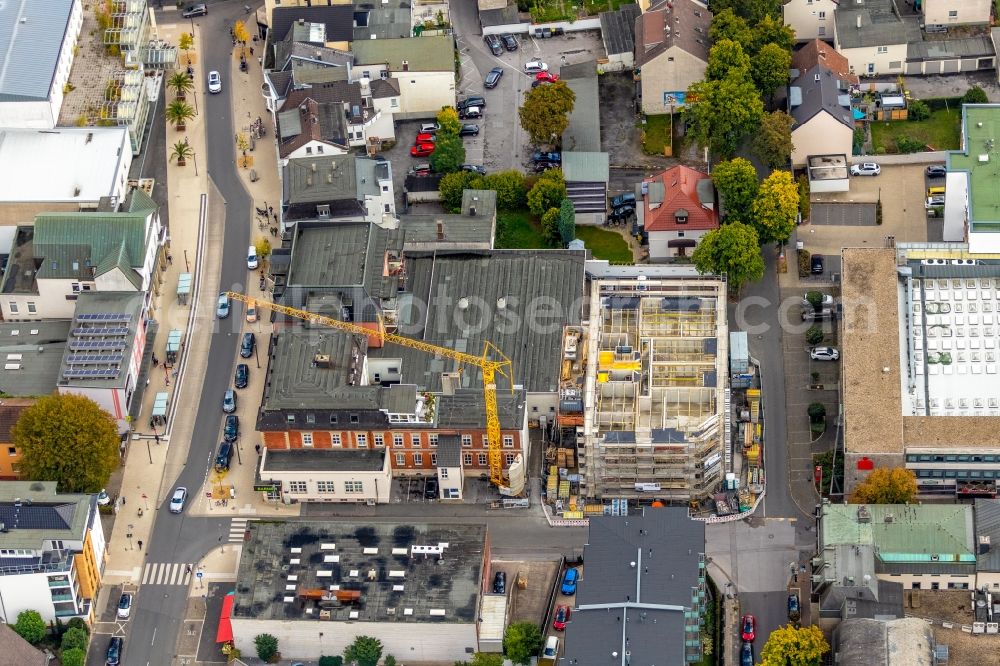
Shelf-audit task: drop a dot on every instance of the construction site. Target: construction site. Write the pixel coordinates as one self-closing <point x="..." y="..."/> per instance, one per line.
<point x="644" y="411"/>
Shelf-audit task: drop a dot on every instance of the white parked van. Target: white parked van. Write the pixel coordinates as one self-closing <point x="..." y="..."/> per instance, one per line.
<point x="252" y="258"/>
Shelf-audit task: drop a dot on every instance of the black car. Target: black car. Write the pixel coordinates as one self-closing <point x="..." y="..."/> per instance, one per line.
<point x="232" y="429"/>
<point x="626" y="199"/>
<point x="622" y="214"/>
<point x="431" y="488"/>
<point x="493" y="42"/>
<point x="816" y="264"/>
<point x="793" y="608"/>
<point x="469" y="130"/>
<point x="544" y="166"/>
<point x="246" y="347"/>
<point x="114" y="654"/>
<point x="499" y="583"/>
<point x="936" y="171"/>
<point x="509" y="41"/>
<point x="472" y="100"/>
<point x="474" y="168"/>
<point x="542" y="156"/>
<point x="746" y="655"/>
<point x="470" y="112"/>
<point x="225" y="457"/>
<point x="493" y="78"/>
<point x="242" y="375"/>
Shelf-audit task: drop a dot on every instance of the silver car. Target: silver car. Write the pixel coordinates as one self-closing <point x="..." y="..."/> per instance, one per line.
<point x="214" y="82"/>
<point x="222" y="310"/>
<point x="824" y="354"/>
<point x="177" y="501"/>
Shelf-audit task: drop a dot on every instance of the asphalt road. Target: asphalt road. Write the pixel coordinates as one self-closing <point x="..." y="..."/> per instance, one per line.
<point x="183" y="539"/>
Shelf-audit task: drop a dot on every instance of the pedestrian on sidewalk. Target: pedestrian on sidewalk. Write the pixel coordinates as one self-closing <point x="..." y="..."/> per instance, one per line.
<point x="170" y="259"/>
<point x="258" y="453"/>
<point x="140" y="543"/>
<point x="251" y="50"/>
<point x="123" y="500"/>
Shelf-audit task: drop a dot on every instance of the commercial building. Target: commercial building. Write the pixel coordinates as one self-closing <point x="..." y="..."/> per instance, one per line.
<point x="52" y="552"/>
<point x="881" y="642"/>
<point x="971" y="203"/>
<point x="423" y="69"/>
<point x="988" y="544"/>
<point x="337" y="187"/>
<point x="642" y="594"/>
<point x="655" y="361"/>
<point x="317" y="475"/>
<point x="919" y="340"/>
<point x="317" y="586"/>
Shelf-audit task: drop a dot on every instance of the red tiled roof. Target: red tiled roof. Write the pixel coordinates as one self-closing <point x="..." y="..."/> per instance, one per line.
<point x="680" y="192"/>
<point x="10" y="412"/>
<point x="818" y="52"/>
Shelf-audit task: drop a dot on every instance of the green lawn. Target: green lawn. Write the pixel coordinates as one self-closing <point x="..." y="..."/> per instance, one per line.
<point x="942" y="131"/>
<point x="518" y="231"/>
<point x="605" y="244"/>
<point x="656" y="134"/>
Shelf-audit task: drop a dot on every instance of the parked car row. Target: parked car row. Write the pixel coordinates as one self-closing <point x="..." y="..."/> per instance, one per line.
<point x="748" y="632"/>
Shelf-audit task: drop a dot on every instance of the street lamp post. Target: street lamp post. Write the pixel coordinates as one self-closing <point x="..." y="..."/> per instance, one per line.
<point x="239" y="456"/>
<point x="194" y="156"/>
<point x="128" y="534"/>
<point x="256" y="356"/>
<point x="148" y="452"/>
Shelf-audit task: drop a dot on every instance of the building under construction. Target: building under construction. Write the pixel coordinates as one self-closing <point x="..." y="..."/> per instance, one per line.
<point x="651" y="373"/>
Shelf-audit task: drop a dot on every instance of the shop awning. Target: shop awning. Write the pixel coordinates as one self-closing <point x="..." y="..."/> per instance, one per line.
<point x="225" y="632"/>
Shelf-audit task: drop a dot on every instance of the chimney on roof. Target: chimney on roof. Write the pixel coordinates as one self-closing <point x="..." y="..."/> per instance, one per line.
<point x="406" y="65"/>
<point x="859" y="21"/>
<point x="440" y="230"/>
<point x="984" y="544"/>
<point x="372" y="574"/>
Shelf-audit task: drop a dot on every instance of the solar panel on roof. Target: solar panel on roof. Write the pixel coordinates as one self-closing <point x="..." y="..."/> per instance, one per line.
<point x="103" y="331"/>
<point x="90" y="373"/>
<point x="89" y="359"/>
<point x="109" y="317"/>
<point x="110" y="345"/>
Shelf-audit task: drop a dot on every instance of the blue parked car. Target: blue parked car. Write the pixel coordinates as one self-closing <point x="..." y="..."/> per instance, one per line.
<point x="569" y="582"/>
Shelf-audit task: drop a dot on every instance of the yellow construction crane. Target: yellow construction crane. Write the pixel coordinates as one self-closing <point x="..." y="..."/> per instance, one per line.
<point x="491" y="363"/>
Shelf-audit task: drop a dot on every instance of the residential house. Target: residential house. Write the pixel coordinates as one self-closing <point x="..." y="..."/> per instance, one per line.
<point x="413" y="586"/>
<point x="956" y="12"/>
<point x="618" y="35"/>
<point x="52" y="552"/>
<point x="642" y="593"/>
<point x="10" y="411"/>
<point x="331" y="26"/>
<point x="39" y="46"/>
<point x="820" y="104"/>
<point x="874" y="37"/>
<point x="422" y="67"/>
<point x="83" y="167"/>
<point x="310" y="128"/>
<point x="677" y="208"/>
<point x="810" y="19"/>
<point x="337" y="187"/>
<point x="65" y="254"/>
<point x="671" y="52"/>
<point x="919" y="546"/>
<point x="819" y="52"/>
<point x="18" y="650"/>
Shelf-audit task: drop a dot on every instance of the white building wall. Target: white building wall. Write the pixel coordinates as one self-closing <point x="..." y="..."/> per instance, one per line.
<point x="450" y="479"/>
<point x="49" y="303"/>
<point x="314" y="149"/>
<point x="810" y="19"/>
<point x="868" y="59"/>
<point x="926" y="580"/>
<point x="25" y="592"/>
<point x="376" y="485"/>
<point x="97" y="542"/>
<point x="384" y="128"/>
<point x="422" y="94"/>
<point x="939" y="12"/>
<point x="821" y="135"/>
<point x="111" y="400"/>
<point x="658" y="240"/>
<point x="442" y="642"/>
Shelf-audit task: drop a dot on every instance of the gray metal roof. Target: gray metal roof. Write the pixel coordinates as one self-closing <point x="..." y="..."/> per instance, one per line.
<point x="34" y="512"/>
<point x="31" y="37"/>
<point x="584" y="167"/>
<point x="618" y="29"/>
<point x="583" y="133"/>
<point x="503" y="16"/>
<point x="321" y="178"/>
<point x="38" y="373"/>
<point x="382" y="21"/>
<point x="449" y="450"/>
<point x="334" y="254"/>
<point x="337" y="19"/>
<point x="879" y="25"/>
<point x="465" y="409"/>
<point x="326" y="460"/>
<point x="987" y="512"/>
<point x="820" y="95"/>
<point x="969" y="47"/>
<point x="651" y="559"/>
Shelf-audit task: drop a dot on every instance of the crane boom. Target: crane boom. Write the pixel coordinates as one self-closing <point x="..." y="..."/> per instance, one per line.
<point x="491" y="362"/>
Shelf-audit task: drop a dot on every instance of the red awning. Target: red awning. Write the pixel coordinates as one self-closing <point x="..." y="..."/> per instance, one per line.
<point x="225" y="632"/>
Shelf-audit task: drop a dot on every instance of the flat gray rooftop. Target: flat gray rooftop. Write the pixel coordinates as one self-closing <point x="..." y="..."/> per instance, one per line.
<point x="428" y="573"/>
<point x="31" y="33"/>
<point x="326" y="460"/>
<point x="36" y="373"/>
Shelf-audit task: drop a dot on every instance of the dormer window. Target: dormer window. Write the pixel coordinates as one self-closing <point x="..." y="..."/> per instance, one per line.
<point x="681" y="216"/>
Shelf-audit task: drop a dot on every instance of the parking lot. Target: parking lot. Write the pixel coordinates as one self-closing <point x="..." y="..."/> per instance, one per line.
<point x="530" y="604"/>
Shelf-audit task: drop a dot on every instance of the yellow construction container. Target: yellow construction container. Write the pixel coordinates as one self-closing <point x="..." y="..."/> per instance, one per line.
<point x="753" y="454"/>
<point x="573" y="515"/>
<point x="602" y="377"/>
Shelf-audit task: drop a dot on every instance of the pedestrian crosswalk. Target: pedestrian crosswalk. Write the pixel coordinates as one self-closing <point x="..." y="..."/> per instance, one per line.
<point x="237" y="528"/>
<point x="166" y="573"/>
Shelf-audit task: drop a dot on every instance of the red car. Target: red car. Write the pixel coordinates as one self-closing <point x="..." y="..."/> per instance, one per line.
<point x="749" y="625"/>
<point x="561" y="618"/>
<point x="422" y="150"/>
<point x="424" y="137"/>
<point x="547" y="77"/>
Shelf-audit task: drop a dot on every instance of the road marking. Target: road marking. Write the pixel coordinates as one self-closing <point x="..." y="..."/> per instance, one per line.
<point x="237" y="529"/>
<point x="166" y="573"/>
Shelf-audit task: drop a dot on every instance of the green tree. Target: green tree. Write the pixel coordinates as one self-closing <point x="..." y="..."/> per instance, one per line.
<point x="975" y="95"/>
<point x="267" y="646"/>
<point x="751" y="10"/>
<point x="449" y="152"/>
<point x="727" y="25"/>
<point x="509" y="186"/>
<point x="815" y="299"/>
<point x="452" y="186"/>
<point x="772" y="30"/>
<point x="179" y="113"/>
<point x="486" y="659"/>
<point x="389" y="660"/>
<point x="185" y="42"/>
<point x="331" y="661"/>
<point x="67" y="438"/>
<point x="180" y="83"/>
<point x="545" y="113"/>
<point x="814" y="335"/>
<point x="365" y="651"/>
<point x="522" y="641"/>
<point x="776" y="207"/>
<point x="895" y="485"/>
<point x="772" y="144"/>
<point x="78" y="623"/>
<point x="769" y="69"/>
<point x="74" y="638"/>
<point x="725" y="57"/>
<point x="547" y="192"/>
<point x="803" y="181"/>
<point x="721" y="113"/>
<point x="816" y="412"/>
<point x="794" y="646"/>
<point x="732" y="249"/>
<point x="73" y="657"/>
<point x="917" y="110"/>
<point x="550" y="227"/>
<point x="567" y="222"/>
<point x="181" y="151"/>
<point x="30" y="626"/>
<point x="448" y="120"/>
<point x="736" y="182"/>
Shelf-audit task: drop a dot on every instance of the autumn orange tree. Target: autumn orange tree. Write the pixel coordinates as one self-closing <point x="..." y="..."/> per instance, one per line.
<point x="794" y="646"/>
<point x="776" y="207"/>
<point x="894" y="485"/>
